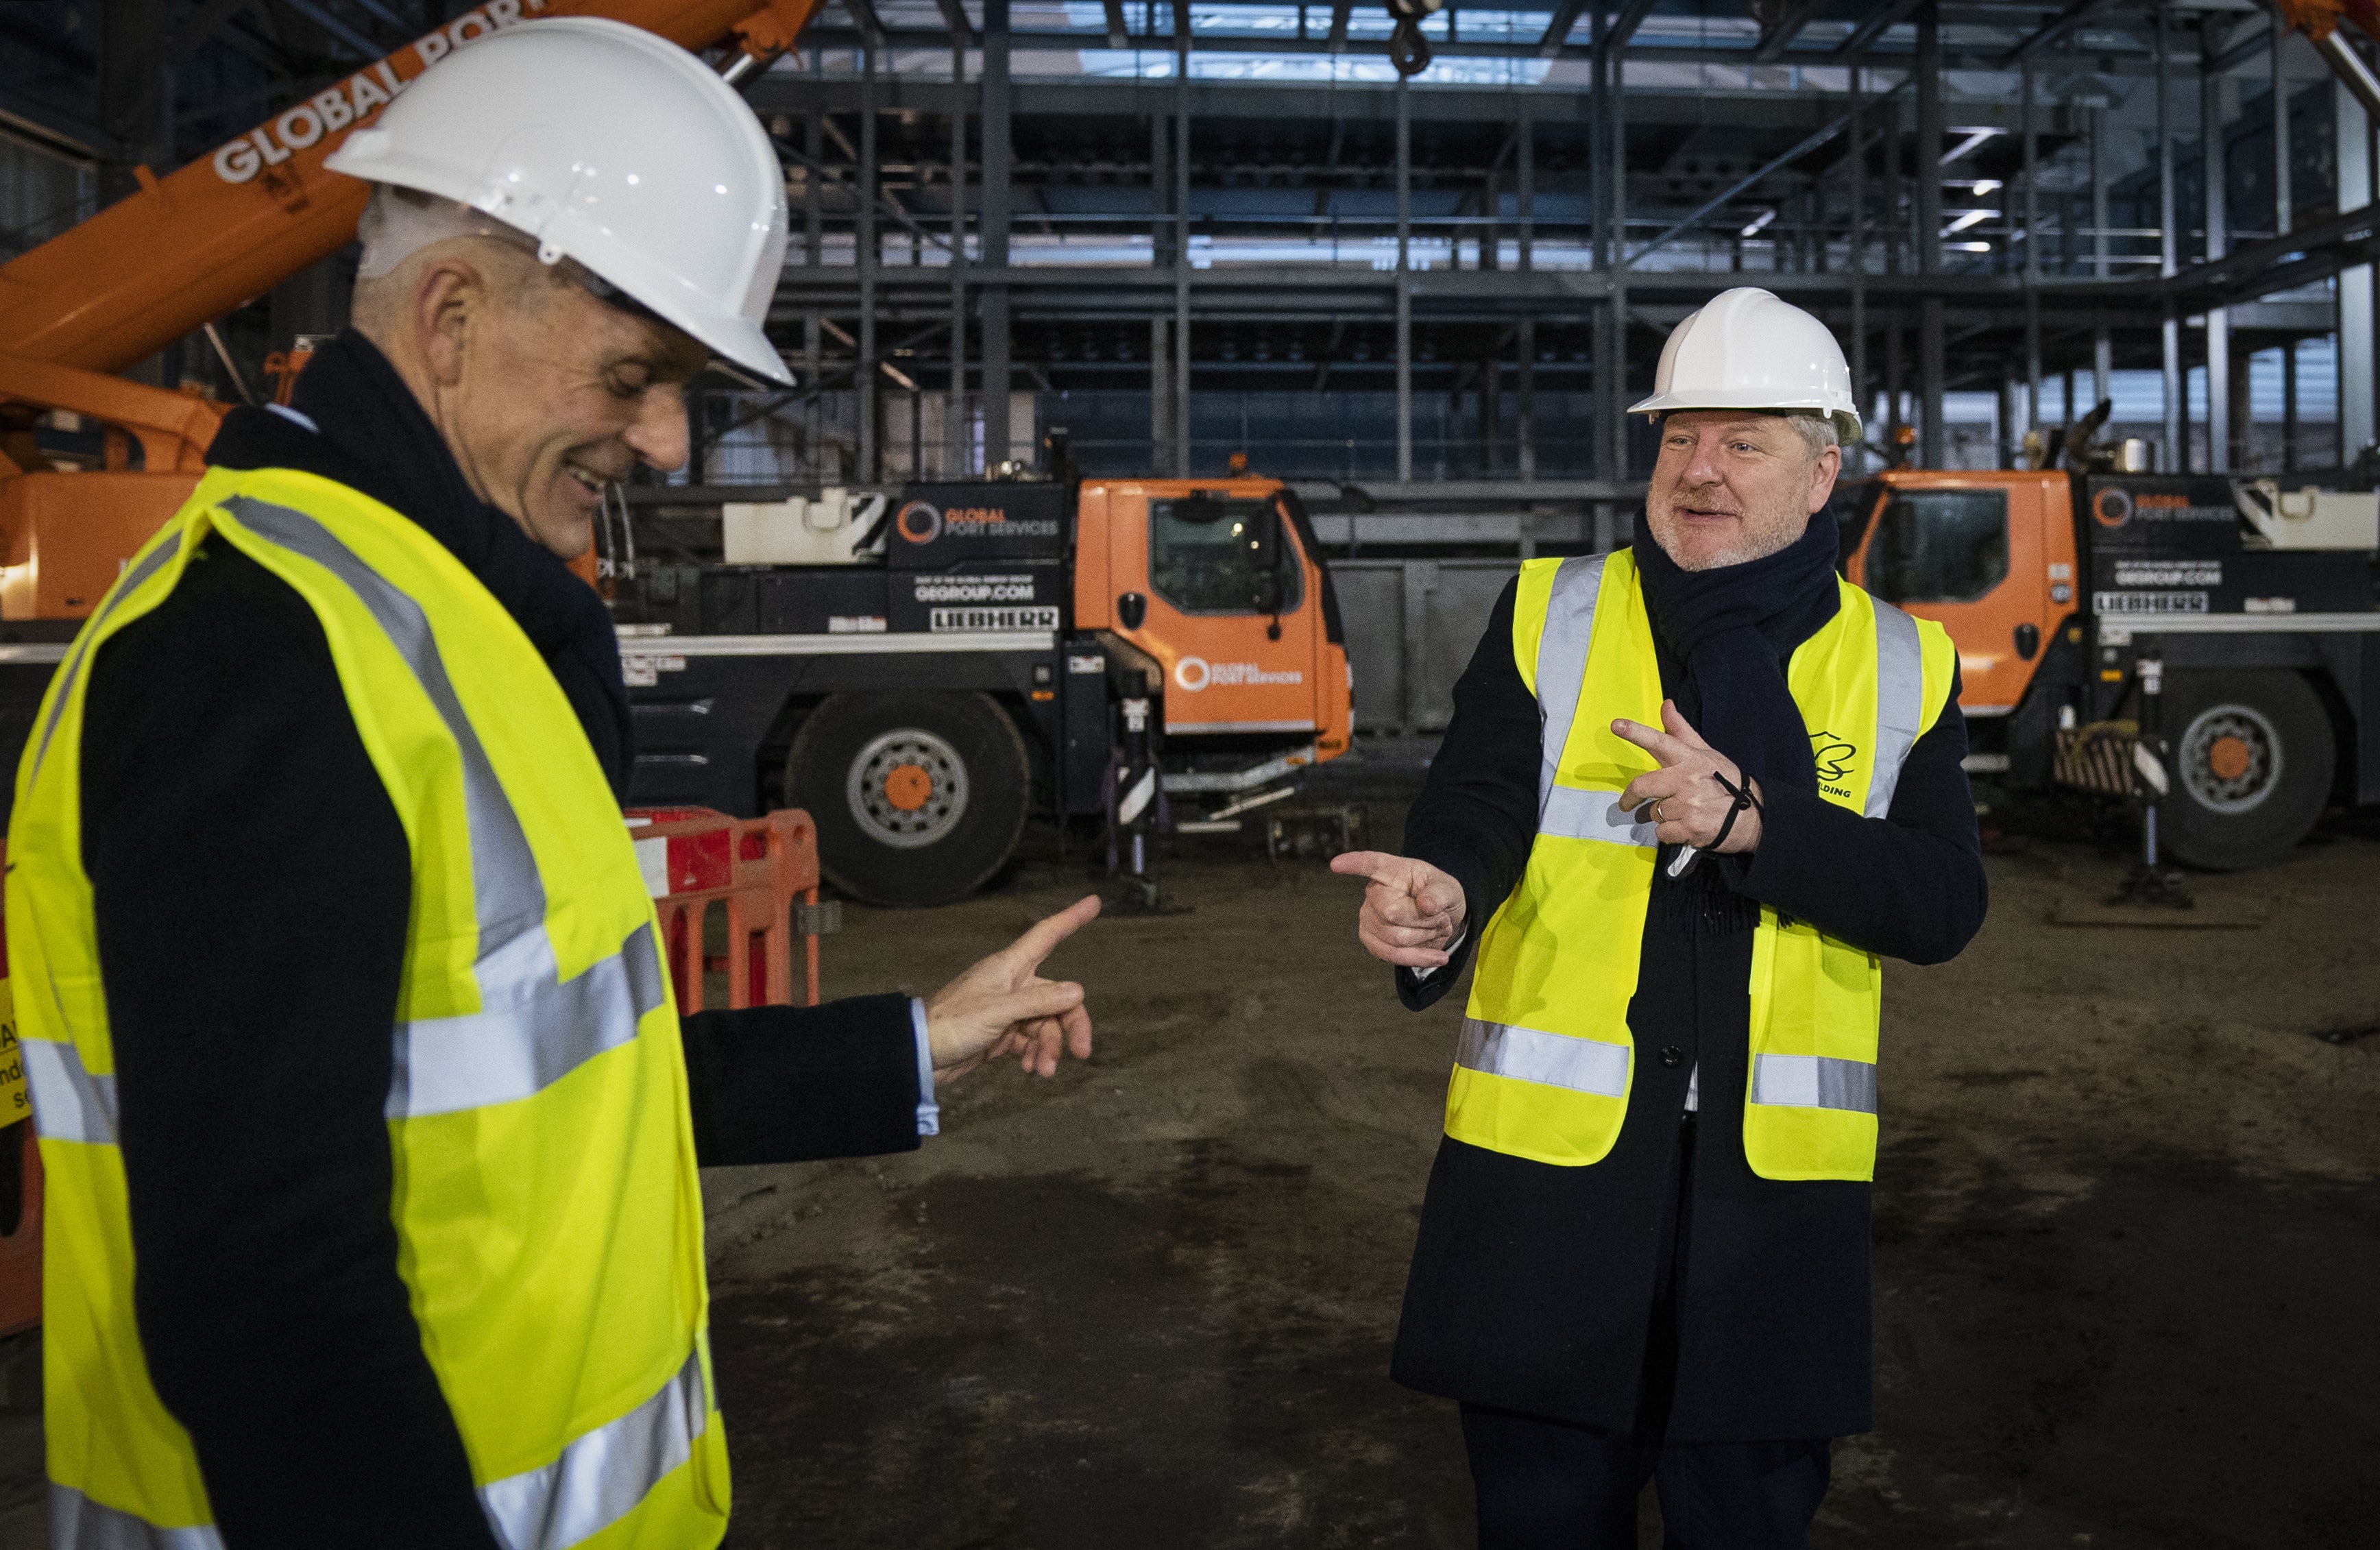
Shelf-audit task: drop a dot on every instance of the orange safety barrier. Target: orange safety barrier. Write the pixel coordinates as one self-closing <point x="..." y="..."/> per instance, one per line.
<point x="759" y="869"/>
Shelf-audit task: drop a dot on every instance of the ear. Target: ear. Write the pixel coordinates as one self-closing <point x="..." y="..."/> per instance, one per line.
<point x="1821" y="477"/>
<point x="446" y="302"/>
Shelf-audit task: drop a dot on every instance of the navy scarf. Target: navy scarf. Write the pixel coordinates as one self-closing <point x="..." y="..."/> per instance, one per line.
<point x="1731" y="629"/>
<point x="371" y="435"/>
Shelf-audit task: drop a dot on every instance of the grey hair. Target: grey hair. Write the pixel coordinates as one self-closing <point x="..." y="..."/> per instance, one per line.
<point x="399" y="222"/>
<point x="1816" y="430"/>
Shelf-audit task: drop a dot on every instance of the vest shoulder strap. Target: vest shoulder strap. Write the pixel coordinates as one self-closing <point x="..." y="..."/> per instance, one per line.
<point x="1913" y="657"/>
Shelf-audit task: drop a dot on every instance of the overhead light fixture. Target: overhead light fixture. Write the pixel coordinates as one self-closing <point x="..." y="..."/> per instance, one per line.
<point x="1976" y="135"/>
<point x="1759" y="223"/>
<point x="1966" y="218"/>
<point x="1978" y="187"/>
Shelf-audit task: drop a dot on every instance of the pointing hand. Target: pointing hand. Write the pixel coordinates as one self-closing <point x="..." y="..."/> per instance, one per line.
<point x="1003" y="1007"/>
<point x="1412" y="912"/>
<point x="1687" y="803"/>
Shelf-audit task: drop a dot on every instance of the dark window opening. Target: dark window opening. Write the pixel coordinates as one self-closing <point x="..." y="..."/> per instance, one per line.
<point x="1215" y="555"/>
<point x="1940" y="546"/>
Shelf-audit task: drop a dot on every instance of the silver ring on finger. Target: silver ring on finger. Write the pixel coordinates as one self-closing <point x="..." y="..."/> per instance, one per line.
<point x="1658" y="818"/>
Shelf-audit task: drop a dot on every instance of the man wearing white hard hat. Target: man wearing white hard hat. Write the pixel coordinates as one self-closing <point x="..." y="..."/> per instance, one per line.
<point x="369" y="1126"/>
<point x="1693" y="791"/>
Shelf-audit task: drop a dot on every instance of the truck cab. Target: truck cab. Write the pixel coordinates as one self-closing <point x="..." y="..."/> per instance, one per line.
<point x="2255" y="604"/>
<point x="924" y="667"/>
<point x="1218" y="584"/>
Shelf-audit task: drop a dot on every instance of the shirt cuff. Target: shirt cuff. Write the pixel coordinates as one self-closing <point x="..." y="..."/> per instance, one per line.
<point x="929" y="1113"/>
<point x="1422" y="973"/>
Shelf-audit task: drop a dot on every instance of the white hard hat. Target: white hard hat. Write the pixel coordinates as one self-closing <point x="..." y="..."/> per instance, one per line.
<point x="611" y="146"/>
<point x="1746" y="349"/>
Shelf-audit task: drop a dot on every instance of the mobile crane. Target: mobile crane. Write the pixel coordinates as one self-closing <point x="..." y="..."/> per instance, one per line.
<point x="1138" y="611"/>
<point x="2211" y="641"/>
<point x="162" y="263"/>
<point x="2238" y="613"/>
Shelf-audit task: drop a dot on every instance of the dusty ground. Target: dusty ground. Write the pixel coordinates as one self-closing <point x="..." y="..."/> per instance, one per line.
<point x="2127" y="1241"/>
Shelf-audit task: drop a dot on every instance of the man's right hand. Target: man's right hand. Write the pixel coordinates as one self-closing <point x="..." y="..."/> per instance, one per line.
<point x="1412" y="913"/>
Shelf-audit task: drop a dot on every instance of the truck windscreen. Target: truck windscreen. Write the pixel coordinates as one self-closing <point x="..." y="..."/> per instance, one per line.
<point x="1218" y="555"/>
<point x="1940" y="546"/>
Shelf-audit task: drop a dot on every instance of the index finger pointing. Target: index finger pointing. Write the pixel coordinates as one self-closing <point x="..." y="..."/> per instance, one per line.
<point x="1042" y="937"/>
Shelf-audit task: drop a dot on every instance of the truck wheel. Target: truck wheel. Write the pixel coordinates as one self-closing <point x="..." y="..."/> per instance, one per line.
<point x="2253" y="756"/>
<point x="918" y="797"/>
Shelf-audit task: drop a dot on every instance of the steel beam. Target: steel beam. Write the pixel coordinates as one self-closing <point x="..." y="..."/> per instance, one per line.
<point x="1881" y="21"/>
<point x="1780" y="37"/>
<point x="1405" y="284"/>
<point x="998" y="151"/>
<point x="2356" y="315"/>
<point x="2049" y="32"/>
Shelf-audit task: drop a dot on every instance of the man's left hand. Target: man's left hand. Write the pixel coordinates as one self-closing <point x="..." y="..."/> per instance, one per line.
<point x="1003" y="1007"/>
<point x="1687" y="803"/>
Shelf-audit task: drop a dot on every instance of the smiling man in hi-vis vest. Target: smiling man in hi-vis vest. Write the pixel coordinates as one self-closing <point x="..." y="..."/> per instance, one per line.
<point x="369" y="1126"/>
<point x="1694" y="790"/>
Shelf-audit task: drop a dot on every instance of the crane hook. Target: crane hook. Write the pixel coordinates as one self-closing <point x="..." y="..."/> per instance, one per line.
<point x="1408" y="50"/>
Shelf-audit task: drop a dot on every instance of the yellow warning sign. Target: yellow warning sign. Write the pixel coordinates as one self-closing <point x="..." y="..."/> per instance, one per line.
<point x="15" y="1102"/>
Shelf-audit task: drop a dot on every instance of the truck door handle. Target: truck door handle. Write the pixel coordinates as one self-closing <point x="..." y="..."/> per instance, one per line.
<point x="1131" y="609"/>
<point x="2027" y="640"/>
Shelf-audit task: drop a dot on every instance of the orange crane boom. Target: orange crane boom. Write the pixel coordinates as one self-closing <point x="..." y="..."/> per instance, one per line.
<point x="185" y="250"/>
<point x="188" y="247"/>
<point x="2319" y="19"/>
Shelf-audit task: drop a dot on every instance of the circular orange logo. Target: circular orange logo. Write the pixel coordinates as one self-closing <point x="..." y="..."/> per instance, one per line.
<point x="2113" y="508"/>
<point x="919" y="522"/>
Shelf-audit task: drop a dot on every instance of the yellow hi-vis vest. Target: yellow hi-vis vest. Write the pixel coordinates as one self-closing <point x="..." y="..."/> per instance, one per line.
<point x="1546" y="1058"/>
<point x="546" y="1202"/>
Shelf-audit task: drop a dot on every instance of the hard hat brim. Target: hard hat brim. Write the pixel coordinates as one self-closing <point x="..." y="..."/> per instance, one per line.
<point x="1847" y="420"/>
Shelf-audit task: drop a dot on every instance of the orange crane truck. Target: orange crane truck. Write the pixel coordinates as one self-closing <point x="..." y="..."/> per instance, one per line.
<point x="923" y="667"/>
<point x="2250" y="607"/>
<point x="998" y="648"/>
<point x="164" y="263"/>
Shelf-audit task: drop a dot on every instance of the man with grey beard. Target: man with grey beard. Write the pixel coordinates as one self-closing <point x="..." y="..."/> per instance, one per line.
<point x="1693" y="791"/>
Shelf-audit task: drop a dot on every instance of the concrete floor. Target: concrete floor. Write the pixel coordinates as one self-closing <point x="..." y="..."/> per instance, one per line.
<point x="2127" y="1240"/>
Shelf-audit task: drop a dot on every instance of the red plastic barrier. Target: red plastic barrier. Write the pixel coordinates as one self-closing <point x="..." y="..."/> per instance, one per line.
<point x="759" y="868"/>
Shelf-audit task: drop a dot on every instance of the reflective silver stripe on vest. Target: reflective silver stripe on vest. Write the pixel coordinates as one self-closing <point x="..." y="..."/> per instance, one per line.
<point x="1900" y="702"/>
<point x="156" y="561"/>
<point x="507" y="1052"/>
<point x="533" y="1028"/>
<point x="1577" y="813"/>
<point x="69" y="1104"/>
<point x="1814" y="1082"/>
<point x="78" y="1523"/>
<point x="1583" y="1065"/>
<point x="601" y="1476"/>
<point x="1561" y="664"/>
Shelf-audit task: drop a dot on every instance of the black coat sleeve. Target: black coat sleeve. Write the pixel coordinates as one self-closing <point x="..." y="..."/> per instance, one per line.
<point x="771" y="1084"/>
<point x="1909" y="885"/>
<point x="251" y="885"/>
<point x="1477" y="815"/>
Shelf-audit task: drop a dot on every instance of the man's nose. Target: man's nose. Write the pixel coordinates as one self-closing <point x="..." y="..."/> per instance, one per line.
<point x="1702" y="466"/>
<point x="659" y="435"/>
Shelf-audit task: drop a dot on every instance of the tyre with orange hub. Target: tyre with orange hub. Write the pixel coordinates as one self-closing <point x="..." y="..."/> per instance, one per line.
<point x="919" y="798"/>
<point x="2254" y="759"/>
